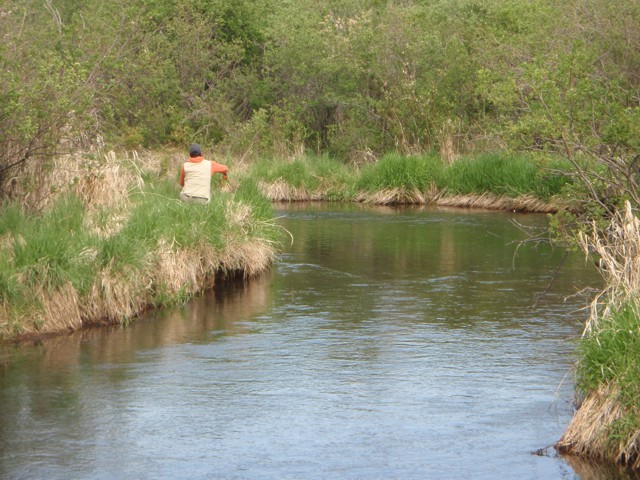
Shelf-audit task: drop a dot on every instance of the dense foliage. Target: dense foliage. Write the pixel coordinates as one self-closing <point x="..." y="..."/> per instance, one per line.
<point x="354" y="79"/>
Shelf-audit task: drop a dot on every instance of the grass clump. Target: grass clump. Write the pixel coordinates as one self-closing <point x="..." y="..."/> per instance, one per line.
<point x="607" y="424"/>
<point x="395" y="171"/>
<point x="305" y="178"/>
<point x="612" y="354"/>
<point x="45" y="250"/>
<point x="502" y="174"/>
<point x="294" y="173"/>
<point x="485" y="180"/>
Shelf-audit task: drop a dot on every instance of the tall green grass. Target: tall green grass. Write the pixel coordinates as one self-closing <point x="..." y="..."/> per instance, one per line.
<point x="400" y="171"/>
<point x="45" y="251"/>
<point x="313" y="173"/>
<point x="249" y="193"/>
<point x="503" y="174"/>
<point x="296" y="173"/>
<point x="612" y="354"/>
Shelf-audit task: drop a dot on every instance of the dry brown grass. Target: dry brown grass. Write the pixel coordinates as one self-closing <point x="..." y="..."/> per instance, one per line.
<point x="488" y="201"/>
<point x="102" y="181"/>
<point x="280" y="191"/>
<point x="104" y="184"/>
<point x="243" y="253"/>
<point x="251" y="258"/>
<point x="618" y="248"/>
<point x="11" y="322"/>
<point x="184" y="269"/>
<point x="116" y="296"/>
<point x="99" y="180"/>
<point x="56" y="312"/>
<point x="588" y="434"/>
<point x="396" y="196"/>
<point x="61" y="310"/>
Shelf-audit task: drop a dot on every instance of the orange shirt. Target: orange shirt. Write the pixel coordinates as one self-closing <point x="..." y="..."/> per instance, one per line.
<point x="215" y="168"/>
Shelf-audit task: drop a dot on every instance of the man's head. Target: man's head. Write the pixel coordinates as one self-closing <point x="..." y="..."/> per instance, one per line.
<point x="194" y="150"/>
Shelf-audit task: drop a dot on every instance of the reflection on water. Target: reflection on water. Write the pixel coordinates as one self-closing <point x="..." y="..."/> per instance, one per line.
<point x="587" y="470"/>
<point x="386" y="343"/>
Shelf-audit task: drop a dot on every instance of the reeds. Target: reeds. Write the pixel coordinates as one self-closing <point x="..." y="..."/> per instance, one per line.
<point x="618" y="250"/>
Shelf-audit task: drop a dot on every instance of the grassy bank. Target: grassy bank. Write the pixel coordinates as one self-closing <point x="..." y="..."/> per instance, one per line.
<point x="607" y="423"/>
<point x="117" y="241"/>
<point x="500" y="181"/>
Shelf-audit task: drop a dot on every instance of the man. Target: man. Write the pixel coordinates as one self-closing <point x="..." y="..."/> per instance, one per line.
<point x="195" y="177"/>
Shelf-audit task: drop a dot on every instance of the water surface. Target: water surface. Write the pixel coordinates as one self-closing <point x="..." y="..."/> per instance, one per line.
<point x="386" y="343"/>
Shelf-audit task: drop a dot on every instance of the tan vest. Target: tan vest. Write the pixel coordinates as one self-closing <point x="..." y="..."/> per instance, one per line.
<point x="197" y="179"/>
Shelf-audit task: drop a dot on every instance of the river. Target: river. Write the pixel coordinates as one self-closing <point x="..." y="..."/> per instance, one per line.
<point x="408" y="343"/>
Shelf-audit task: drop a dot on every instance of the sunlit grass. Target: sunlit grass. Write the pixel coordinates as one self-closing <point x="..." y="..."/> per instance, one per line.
<point x="503" y="175"/>
<point x="400" y="171"/>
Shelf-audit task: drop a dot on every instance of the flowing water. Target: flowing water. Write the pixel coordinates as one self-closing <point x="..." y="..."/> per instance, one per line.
<point x="385" y="344"/>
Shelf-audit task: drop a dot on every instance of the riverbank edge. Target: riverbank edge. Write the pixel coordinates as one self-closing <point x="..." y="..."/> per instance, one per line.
<point x="588" y="435"/>
<point x="65" y="311"/>
<point x="606" y="424"/>
<point x="282" y="192"/>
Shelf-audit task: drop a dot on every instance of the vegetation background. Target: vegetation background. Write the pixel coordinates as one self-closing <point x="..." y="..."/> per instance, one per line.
<point x="352" y="79"/>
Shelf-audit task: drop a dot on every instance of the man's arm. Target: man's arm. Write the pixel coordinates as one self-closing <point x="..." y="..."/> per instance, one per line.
<point x="219" y="168"/>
